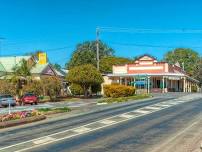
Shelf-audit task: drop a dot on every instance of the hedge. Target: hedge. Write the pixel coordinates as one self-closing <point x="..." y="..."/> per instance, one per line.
<point x="116" y="91"/>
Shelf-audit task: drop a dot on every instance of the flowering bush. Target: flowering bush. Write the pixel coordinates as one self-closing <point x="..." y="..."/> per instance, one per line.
<point x="116" y="90"/>
<point x="19" y="115"/>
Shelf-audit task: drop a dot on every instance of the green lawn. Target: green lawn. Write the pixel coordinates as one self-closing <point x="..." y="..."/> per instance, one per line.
<point x="124" y="99"/>
<point x="53" y="110"/>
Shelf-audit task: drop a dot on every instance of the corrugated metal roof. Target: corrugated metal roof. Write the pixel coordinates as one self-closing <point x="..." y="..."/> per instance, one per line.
<point x="9" y="62"/>
<point x="2" y="69"/>
<point x="38" y="68"/>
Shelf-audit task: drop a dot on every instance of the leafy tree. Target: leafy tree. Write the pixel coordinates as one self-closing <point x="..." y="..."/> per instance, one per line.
<point x="85" y="76"/>
<point x="85" y="53"/>
<point x="57" y="66"/>
<point x="106" y="63"/>
<point x="76" y="89"/>
<point x="51" y="86"/>
<point x="185" y="56"/>
<point x="19" y="71"/>
<point x="198" y="71"/>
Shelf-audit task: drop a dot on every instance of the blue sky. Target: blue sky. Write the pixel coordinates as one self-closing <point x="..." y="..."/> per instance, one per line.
<point x="29" y="25"/>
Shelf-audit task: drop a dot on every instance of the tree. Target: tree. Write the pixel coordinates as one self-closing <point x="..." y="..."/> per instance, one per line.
<point x="198" y="71"/>
<point x="106" y="63"/>
<point x="19" y="71"/>
<point x="185" y="56"/>
<point x="22" y="69"/>
<point x="52" y="86"/>
<point x="85" y="53"/>
<point x="57" y="66"/>
<point x="85" y="76"/>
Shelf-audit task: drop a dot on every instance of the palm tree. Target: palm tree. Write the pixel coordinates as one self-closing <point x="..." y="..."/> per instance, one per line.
<point x="21" y="72"/>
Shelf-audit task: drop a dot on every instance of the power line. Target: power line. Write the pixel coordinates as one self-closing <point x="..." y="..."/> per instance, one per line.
<point x="153" y="46"/>
<point x="151" y="31"/>
<point x="61" y="48"/>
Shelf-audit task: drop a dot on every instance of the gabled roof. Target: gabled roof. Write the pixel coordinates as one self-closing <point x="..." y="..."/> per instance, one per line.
<point x="145" y="55"/>
<point x="9" y="62"/>
<point x="38" y="68"/>
<point x="61" y="72"/>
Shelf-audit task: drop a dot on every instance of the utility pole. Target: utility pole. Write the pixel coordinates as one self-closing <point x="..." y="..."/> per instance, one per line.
<point x="183" y="66"/>
<point x="97" y="46"/>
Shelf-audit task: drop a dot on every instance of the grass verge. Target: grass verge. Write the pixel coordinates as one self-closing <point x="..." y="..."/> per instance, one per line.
<point x="47" y="111"/>
<point x="124" y="99"/>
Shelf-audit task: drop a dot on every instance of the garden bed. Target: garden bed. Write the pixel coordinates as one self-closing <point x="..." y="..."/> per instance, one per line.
<point x="24" y="117"/>
<point x="22" y="121"/>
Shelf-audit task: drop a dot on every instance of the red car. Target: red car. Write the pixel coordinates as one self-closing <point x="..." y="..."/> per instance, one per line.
<point x="29" y="98"/>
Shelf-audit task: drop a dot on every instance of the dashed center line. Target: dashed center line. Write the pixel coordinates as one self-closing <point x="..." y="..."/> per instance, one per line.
<point x="142" y="111"/>
<point x="81" y="129"/>
<point x="106" y="121"/>
<point x="126" y="116"/>
<point x="43" y="140"/>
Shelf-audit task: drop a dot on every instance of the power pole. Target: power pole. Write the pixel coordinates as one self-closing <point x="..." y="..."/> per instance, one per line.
<point x="97" y="50"/>
<point x="183" y="66"/>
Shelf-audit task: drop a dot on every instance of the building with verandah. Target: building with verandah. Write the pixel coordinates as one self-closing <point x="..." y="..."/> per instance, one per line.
<point x="149" y="75"/>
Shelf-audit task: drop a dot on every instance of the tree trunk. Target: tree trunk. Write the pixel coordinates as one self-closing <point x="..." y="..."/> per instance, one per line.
<point x="85" y="92"/>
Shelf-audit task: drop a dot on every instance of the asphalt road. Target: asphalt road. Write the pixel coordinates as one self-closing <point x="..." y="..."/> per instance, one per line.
<point x="141" y="133"/>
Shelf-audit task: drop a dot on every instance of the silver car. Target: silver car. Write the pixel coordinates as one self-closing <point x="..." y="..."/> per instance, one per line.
<point x="5" y="100"/>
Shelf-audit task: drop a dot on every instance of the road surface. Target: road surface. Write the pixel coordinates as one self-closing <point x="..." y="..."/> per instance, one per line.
<point x="156" y="125"/>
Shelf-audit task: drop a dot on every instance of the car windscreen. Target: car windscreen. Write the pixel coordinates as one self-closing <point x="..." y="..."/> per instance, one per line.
<point x="5" y="96"/>
<point x="29" y="94"/>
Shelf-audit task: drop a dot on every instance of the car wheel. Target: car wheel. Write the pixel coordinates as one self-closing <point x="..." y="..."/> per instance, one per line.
<point x="31" y="103"/>
<point x="36" y="103"/>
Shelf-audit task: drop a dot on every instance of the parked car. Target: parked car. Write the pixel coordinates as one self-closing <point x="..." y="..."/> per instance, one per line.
<point x="29" y="98"/>
<point x="7" y="99"/>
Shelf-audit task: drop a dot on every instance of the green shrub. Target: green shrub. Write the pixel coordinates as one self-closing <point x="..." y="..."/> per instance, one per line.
<point x="193" y="88"/>
<point x="116" y="91"/>
<point x="35" y="87"/>
<point x="52" y="87"/>
<point x="7" y="87"/>
<point x="76" y="89"/>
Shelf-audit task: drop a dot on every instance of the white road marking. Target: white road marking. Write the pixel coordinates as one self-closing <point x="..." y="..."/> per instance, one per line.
<point x="81" y="129"/>
<point x="107" y="122"/>
<point x="43" y="140"/>
<point x="127" y="116"/>
<point x="142" y="111"/>
<point x="84" y="129"/>
<point x="164" y="105"/>
<point x="153" y="108"/>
